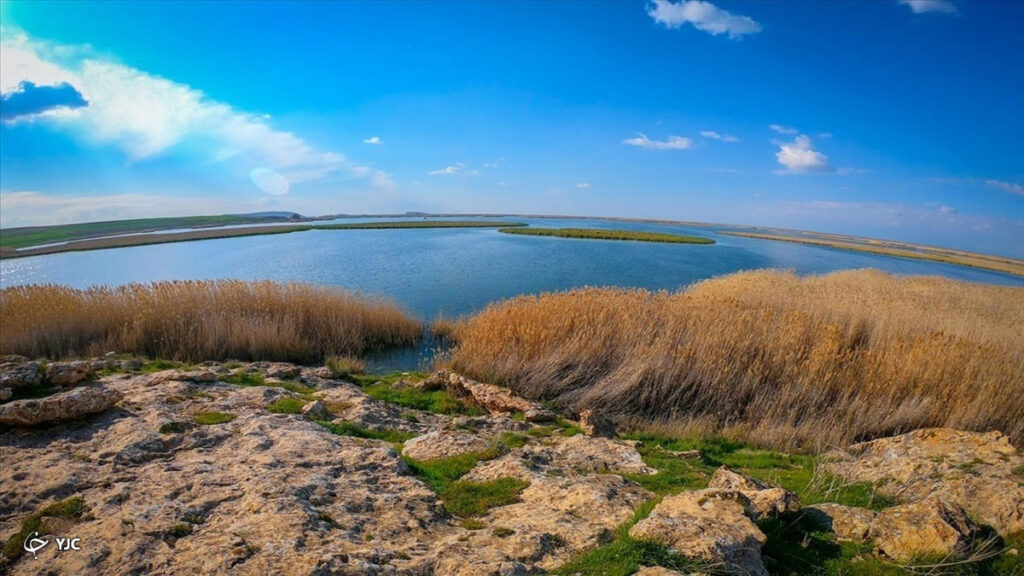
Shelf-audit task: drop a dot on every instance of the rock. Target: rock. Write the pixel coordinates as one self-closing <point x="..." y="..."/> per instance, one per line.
<point x="846" y="522"/>
<point x="61" y="406"/>
<point x="656" y="571"/>
<point x="16" y="373"/>
<point x="5" y="394"/>
<point x="324" y="372"/>
<point x="282" y="370"/>
<point x="436" y="381"/>
<point x="708" y="525"/>
<point x="131" y="365"/>
<point x="561" y="456"/>
<point x="766" y="500"/>
<point x="594" y="424"/>
<point x="539" y="415"/>
<point x="437" y="445"/>
<point x="973" y="469"/>
<point x="685" y="454"/>
<point x="928" y="527"/>
<point x="316" y="410"/>
<point x="67" y="373"/>
<point x="199" y="376"/>
<point x="492" y="426"/>
<point x="494" y="399"/>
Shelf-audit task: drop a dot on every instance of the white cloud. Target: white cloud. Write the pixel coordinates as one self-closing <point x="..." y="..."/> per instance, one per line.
<point x="490" y="165"/>
<point x="717" y="136"/>
<point x="583" y="185"/>
<point x="26" y="208"/>
<point x="147" y="116"/>
<point x="372" y="140"/>
<point x="703" y="16"/>
<point x="673" y="142"/>
<point x="923" y="6"/>
<point x="783" y="129"/>
<point x="799" y="156"/>
<point x="1010" y="187"/>
<point x="454" y="170"/>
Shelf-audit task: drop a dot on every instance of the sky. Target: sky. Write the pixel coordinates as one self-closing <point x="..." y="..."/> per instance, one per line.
<point x="897" y="119"/>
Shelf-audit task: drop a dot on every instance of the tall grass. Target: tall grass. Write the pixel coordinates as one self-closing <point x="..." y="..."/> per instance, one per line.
<point x="199" y="320"/>
<point x="767" y="356"/>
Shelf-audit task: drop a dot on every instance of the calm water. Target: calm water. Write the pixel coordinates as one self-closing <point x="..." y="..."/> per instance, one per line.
<point x="457" y="271"/>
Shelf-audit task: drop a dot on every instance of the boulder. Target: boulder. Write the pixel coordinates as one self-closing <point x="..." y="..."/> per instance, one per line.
<point x="595" y="424"/>
<point x="977" y="470"/>
<point x="17" y="373"/>
<point x="437" y="445"/>
<point x="539" y="415"/>
<point x="67" y="373"/>
<point x="928" y="527"/>
<point x="282" y="370"/>
<point x="846" y="522"/>
<point x="707" y="525"/>
<point x="61" y="406"/>
<point x="316" y="410"/>
<point x="766" y="500"/>
<point x="494" y="399"/>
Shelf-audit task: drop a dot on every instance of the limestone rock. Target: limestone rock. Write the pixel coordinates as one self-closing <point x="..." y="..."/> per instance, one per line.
<point x="656" y="571"/>
<point x="5" y="394"/>
<point x="846" y="522"/>
<point x="928" y="527"/>
<point x="559" y="456"/>
<point x="709" y="525"/>
<point x="316" y="410"/>
<point x="494" y="399"/>
<point x="17" y="372"/>
<point x="61" y="406"/>
<point x="766" y="500"/>
<point x="973" y="469"/>
<point x="539" y="415"/>
<point x="437" y="445"/>
<point x="282" y="370"/>
<point x="594" y="424"/>
<point x="67" y="373"/>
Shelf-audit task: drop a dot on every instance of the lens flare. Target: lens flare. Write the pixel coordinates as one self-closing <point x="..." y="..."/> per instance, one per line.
<point x="270" y="181"/>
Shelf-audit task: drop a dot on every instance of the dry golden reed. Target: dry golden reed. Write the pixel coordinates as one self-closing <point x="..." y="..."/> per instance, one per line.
<point x="767" y="356"/>
<point x="199" y="320"/>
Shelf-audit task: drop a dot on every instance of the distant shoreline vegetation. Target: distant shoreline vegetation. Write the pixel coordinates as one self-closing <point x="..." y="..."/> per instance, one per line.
<point x="602" y="234"/>
<point x="9" y="250"/>
<point x="898" y="249"/>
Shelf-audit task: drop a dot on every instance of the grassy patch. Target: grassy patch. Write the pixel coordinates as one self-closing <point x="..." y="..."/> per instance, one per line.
<point x="602" y="234"/>
<point x="441" y="474"/>
<point x="436" y="401"/>
<point x="624" y="555"/>
<point x="287" y="405"/>
<point x="343" y="366"/>
<point x="476" y="498"/>
<point x="209" y="418"/>
<point x="561" y="427"/>
<point x="159" y="364"/>
<point x="398" y="224"/>
<point x="173" y="427"/>
<point x="71" y="509"/>
<point x="350" y="429"/>
<point x="244" y="378"/>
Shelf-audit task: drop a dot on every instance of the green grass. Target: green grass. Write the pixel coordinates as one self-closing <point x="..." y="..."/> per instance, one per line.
<point x="287" y="405"/>
<point x="560" y="427"/>
<point x="441" y="474"/>
<point x="71" y="509"/>
<point x="476" y="498"/>
<point x="350" y="429"/>
<point x="436" y="401"/>
<point x="173" y="427"/>
<point x="624" y="554"/>
<point x="602" y="234"/>
<point x="419" y="224"/>
<point x="210" y="418"/>
<point x="245" y="379"/>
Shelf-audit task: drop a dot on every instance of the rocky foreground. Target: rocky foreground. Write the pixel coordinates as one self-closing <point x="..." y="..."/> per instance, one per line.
<point x="181" y="472"/>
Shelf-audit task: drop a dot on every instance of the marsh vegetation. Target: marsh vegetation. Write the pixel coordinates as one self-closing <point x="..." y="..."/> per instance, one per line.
<point x="603" y="234"/>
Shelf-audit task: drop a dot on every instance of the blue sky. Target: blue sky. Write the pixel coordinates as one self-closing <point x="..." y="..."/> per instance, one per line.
<point x="892" y="119"/>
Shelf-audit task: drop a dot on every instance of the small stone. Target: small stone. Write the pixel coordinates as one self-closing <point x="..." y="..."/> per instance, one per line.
<point x="594" y="424"/>
<point x="766" y="500"/>
<point x="316" y="410"/>
<point x="539" y="415"/>
<point x="283" y="370"/>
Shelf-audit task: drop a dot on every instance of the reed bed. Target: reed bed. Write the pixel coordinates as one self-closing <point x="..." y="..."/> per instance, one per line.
<point x="766" y="356"/>
<point x="199" y="320"/>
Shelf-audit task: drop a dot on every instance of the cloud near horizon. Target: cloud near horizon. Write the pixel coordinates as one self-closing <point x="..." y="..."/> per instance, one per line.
<point x="455" y="169"/>
<point x="672" y="143"/>
<point x="703" y="16"/>
<point x="1009" y="187"/>
<point x="147" y="116"/>
<point x="372" y="140"/>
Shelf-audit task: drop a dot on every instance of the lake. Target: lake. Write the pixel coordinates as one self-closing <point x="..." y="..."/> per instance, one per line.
<point x="457" y="271"/>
